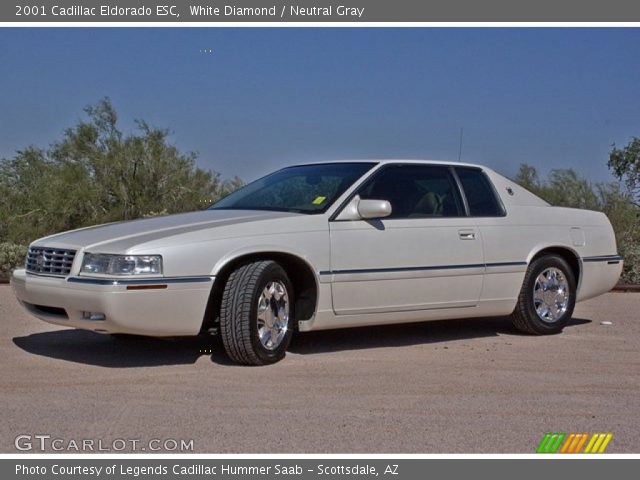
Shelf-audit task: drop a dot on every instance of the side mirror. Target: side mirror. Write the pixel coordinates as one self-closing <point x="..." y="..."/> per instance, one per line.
<point x="370" y="209"/>
<point x="359" y="209"/>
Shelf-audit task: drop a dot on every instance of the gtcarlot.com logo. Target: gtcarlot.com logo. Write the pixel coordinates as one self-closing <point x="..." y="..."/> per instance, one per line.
<point x="48" y="443"/>
<point x="574" y="442"/>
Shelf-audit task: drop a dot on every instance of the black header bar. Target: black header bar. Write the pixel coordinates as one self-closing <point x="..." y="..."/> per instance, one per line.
<point x="185" y="11"/>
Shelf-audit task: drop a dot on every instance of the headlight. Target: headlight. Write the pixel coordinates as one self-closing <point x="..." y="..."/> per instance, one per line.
<point x="120" y="265"/>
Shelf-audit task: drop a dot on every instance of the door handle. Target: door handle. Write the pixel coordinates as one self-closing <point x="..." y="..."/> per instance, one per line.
<point x="466" y="235"/>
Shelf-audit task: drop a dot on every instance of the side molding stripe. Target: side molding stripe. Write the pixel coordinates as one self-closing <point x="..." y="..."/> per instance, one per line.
<point x="138" y="281"/>
<point x="421" y="268"/>
<point x="603" y="258"/>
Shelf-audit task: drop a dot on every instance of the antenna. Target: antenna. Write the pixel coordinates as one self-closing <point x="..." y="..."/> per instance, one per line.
<point x="460" y="147"/>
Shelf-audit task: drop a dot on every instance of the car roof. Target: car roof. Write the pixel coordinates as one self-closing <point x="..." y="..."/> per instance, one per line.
<point x="393" y="160"/>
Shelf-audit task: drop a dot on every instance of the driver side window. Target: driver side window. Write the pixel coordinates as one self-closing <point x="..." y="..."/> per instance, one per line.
<point x="416" y="191"/>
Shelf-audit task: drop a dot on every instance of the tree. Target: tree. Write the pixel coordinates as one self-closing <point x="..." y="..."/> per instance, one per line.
<point x="563" y="187"/>
<point x="625" y="165"/>
<point x="28" y="196"/>
<point x="566" y="188"/>
<point x="528" y="178"/>
<point x="95" y="174"/>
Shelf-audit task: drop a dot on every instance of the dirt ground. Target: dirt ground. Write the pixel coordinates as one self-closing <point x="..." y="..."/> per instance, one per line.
<point x="438" y="387"/>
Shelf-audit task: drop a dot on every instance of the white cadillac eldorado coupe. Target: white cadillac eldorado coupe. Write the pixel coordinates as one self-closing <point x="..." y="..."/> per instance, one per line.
<point x="325" y="246"/>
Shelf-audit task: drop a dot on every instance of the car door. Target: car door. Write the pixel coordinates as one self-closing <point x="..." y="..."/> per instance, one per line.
<point x="427" y="254"/>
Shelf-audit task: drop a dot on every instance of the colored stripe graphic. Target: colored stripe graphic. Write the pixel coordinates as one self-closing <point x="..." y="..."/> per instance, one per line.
<point x="543" y="443"/>
<point x="581" y="442"/>
<point x="550" y="442"/>
<point x="574" y="442"/>
<point x="556" y="445"/>
<point x="555" y="442"/>
<point x="607" y="439"/>
<point x="567" y="443"/>
<point x="598" y="443"/>
<point x="591" y="443"/>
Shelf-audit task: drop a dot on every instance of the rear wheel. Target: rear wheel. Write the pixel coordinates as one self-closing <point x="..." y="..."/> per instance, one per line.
<point x="547" y="298"/>
<point x="257" y="313"/>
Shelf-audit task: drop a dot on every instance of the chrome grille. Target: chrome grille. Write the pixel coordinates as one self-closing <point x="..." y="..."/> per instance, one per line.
<point x="49" y="261"/>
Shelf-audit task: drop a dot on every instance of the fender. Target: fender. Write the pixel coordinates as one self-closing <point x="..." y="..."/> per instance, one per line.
<point x="544" y="246"/>
<point x="263" y="249"/>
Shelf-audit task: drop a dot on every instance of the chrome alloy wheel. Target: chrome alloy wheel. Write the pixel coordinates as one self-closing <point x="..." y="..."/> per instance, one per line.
<point x="551" y="295"/>
<point x="273" y="314"/>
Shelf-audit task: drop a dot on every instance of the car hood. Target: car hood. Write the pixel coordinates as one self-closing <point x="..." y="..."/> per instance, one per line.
<point x="130" y="233"/>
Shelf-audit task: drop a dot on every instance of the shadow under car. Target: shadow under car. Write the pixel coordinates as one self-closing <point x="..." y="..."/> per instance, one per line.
<point x="125" y="351"/>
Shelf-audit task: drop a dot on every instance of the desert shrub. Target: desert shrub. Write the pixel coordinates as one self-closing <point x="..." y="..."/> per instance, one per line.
<point x="11" y="257"/>
<point x="96" y="174"/>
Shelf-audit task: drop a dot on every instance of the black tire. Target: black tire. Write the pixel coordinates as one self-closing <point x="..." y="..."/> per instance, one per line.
<point x="524" y="317"/>
<point x="125" y="337"/>
<point x="239" y="313"/>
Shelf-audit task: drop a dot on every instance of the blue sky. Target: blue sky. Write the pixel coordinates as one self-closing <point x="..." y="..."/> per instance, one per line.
<point x="267" y="97"/>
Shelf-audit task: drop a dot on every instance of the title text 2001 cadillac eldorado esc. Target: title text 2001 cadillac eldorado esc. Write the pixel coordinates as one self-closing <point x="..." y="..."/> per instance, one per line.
<point x="325" y="246"/>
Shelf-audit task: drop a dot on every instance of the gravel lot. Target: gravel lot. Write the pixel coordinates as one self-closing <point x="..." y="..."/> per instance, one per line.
<point x="439" y="387"/>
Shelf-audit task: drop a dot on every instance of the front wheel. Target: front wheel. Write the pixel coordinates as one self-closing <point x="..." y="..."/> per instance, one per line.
<point x="547" y="298"/>
<point x="257" y="313"/>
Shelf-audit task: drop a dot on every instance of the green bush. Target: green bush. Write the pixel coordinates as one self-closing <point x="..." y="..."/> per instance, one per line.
<point x="96" y="174"/>
<point x="630" y="250"/>
<point x="11" y="257"/>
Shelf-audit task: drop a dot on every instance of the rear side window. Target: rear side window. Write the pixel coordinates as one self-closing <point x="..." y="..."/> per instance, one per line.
<point x="479" y="192"/>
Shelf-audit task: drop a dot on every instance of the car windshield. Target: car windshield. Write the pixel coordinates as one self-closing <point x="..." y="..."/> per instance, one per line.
<point x="299" y="189"/>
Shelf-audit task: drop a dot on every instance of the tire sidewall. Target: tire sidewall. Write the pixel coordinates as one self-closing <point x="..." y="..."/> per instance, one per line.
<point x="537" y="267"/>
<point x="271" y="273"/>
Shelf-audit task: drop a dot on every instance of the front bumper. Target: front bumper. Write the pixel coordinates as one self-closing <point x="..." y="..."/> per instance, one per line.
<point x="155" y="307"/>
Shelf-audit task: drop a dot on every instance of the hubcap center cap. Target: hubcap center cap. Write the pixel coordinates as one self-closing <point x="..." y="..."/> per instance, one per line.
<point x="273" y="314"/>
<point x="550" y="295"/>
